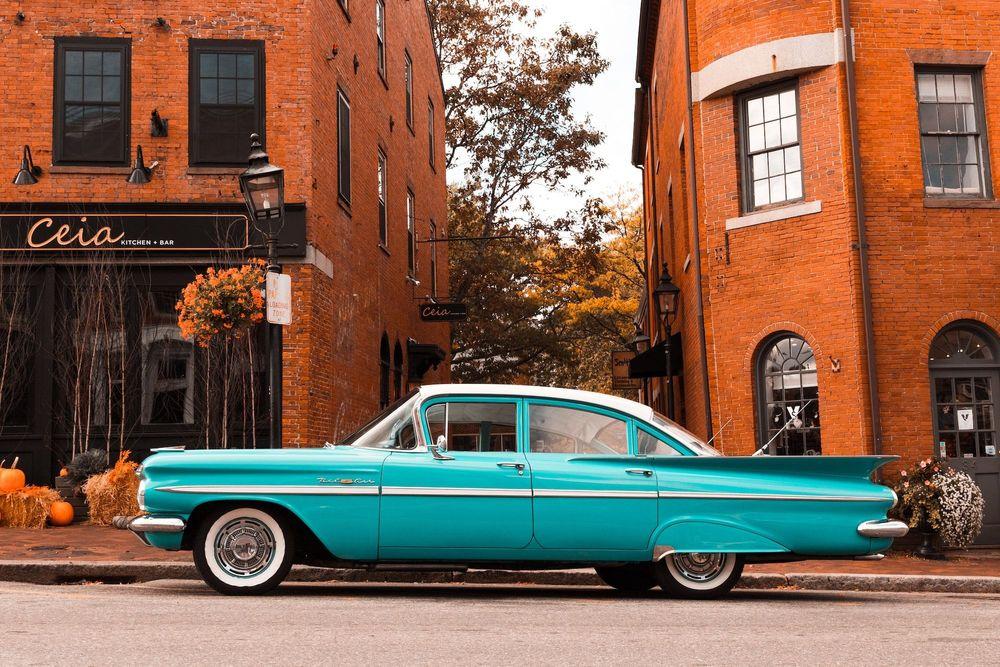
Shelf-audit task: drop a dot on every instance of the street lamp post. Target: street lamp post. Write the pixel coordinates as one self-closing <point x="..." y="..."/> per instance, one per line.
<point x="640" y="345"/>
<point x="667" y="293"/>
<point x="263" y="188"/>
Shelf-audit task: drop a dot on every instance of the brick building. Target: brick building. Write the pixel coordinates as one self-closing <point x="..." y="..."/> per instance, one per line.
<point x="828" y="209"/>
<point x="349" y="100"/>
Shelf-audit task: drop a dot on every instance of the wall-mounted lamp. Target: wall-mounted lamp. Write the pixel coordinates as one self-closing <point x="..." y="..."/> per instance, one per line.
<point x="140" y="172"/>
<point x="161" y="23"/>
<point x="157" y="125"/>
<point x="29" y="172"/>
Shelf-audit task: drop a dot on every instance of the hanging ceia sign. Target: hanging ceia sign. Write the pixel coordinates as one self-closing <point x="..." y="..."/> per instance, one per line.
<point x="444" y="312"/>
<point x="54" y="231"/>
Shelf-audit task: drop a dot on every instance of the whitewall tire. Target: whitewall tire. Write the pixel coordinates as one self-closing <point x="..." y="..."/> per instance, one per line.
<point x="243" y="551"/>
<point x="696" y="575"/>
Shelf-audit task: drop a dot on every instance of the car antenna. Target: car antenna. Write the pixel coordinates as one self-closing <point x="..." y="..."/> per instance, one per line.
<point x="728" y="422"/>
<point x="781" y="430"/>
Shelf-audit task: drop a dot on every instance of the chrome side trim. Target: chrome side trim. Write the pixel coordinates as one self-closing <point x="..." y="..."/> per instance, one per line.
<point x="766" y="496"/>
<point x="150" y="524"/>
<point x="870" y="557"/>
<point x="557" y="493"/>
<point x="277" y="490"/>
<point x="450" y="491"/>
<point x="883" y="528"/>
<point x="661" y="551"/>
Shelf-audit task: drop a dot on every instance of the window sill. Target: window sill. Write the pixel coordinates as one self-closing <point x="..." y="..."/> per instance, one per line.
<point x="215" y="171"/>
<point x="91" y="170"/>
<point x="384" y="249"/>
<point x="343" y="8"/>
<point x="934" y="202"/>
<point x="385" y="82"/>
<point x="774" y="214"/>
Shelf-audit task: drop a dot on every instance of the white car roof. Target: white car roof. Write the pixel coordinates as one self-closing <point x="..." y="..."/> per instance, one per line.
<point x="631" y="408"/>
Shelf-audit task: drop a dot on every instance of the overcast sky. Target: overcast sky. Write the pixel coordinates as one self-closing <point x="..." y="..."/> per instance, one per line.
<point x="610" y="101"/>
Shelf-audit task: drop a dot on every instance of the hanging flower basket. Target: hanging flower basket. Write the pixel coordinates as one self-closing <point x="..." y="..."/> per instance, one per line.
<point x="222" y="303"/>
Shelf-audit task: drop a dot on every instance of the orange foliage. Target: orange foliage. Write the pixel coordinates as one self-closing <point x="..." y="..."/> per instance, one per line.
<point x="227" y="301"/>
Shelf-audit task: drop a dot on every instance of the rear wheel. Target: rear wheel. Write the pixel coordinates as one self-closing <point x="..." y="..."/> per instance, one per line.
<point x="697" y="575"/>
<point x="243" y="551"/>
<point x="628" y="578"/>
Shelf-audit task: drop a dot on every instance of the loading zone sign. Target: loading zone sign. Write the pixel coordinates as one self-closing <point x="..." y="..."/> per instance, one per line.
<point x="279" y="298"/>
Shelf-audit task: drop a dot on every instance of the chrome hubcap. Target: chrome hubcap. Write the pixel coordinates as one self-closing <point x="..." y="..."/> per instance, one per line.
<point x="244" y="547"/>
<point x="699" y="567"/>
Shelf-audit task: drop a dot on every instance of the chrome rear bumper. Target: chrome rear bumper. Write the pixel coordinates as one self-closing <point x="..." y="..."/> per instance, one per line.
<point x="883" y="528"/>
<point x="151" y="524"/>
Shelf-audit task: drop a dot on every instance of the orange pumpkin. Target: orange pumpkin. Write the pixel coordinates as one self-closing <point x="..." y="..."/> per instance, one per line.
<point x="63" y="472"/>
<point x="61" y="513"/>
<point x="11" y="479"/>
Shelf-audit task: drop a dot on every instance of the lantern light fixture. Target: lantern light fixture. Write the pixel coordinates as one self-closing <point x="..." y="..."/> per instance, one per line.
<point x="29" y="172"/>
<point x="666" y="293"/>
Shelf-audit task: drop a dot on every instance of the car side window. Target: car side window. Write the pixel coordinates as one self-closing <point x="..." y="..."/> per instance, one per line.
<point x="650" y="445"/>
<point x="474" y="427"/>
<point x="565" y="430"/>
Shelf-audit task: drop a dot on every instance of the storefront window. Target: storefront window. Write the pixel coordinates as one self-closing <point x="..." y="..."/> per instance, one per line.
<point x="168" y="364"/>
<point x="788" y="397"/>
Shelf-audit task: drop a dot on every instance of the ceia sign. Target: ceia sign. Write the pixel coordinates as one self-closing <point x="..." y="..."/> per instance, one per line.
<point x="444" y="312"/>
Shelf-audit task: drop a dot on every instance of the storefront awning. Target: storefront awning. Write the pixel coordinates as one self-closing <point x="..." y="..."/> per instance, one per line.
<point x="652" y="363"/>
<point x="421" y="358"/>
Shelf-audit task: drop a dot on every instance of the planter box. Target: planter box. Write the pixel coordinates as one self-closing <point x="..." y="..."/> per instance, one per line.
<point x="81" y="511"/>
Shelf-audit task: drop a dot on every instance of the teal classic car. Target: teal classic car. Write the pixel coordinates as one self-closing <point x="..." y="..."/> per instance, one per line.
<point x="512" y="477"/>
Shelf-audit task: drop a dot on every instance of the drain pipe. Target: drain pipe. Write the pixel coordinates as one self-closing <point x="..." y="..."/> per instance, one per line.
<point x="859" y="206"/>
<point x="696" y="246"/>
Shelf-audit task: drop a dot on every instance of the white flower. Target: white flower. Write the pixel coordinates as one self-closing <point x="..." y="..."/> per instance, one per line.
<point x="962" y="508"/>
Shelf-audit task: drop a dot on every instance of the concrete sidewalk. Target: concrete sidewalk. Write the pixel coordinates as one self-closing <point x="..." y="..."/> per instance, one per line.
<point x="94" y="553"/>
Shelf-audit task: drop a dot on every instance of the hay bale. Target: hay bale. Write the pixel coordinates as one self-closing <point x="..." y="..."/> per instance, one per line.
<point x="27" y="508"/>
<point x="114" y="492"/>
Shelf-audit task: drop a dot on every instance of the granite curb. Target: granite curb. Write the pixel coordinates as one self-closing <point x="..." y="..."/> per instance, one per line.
<point x="127" y="572"/>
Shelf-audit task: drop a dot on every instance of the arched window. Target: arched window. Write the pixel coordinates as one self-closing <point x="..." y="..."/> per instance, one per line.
<point x="965" y="379"/>
<point x="787" y="396"/>
<point x="397" y="371"/>
<point x="383" y="372"/>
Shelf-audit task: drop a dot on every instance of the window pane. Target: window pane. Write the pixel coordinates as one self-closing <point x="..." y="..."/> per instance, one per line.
<point x="761" y="193"/>
<point x="971" y="122"/>
<point x="772" y="134"/>
<point x="928" y="118"/>
<point x="561" y="430"/>
<point x="755" y="111"/>
<point x="74" y="88"/>
<point x="777" y="189"/>
<point x="227" y="91"/>
<point x="793" y="185"/>
<point x="948" y="117"/>
<point x="92" y="62"/>
<point x="927" y="89"/>
<point x="112" y="89"/>
<point x="209" y="91"/>
<point x="970" y="180"/>
<point x="945" y="88"/>
<point x="793" y="160"/>
<point x="209" y="65"/>
<point x="776" y="162"/>
<point x="760" y="165"/>
<point x="474" y="427"/>
<point x="789" y="130"/>
<point x="74" y="62"/>
<point x="227" y="65"/>
<point x="788" y="104"/>
<point x="244" y="65"/>
<point x="112" y="63"/>
<point x="756" y="138"/>
<point x="244" y="91"/>
<point x="771" y="108"/>
<point x="952" y="178"/>
<point x="92" y="89"/>
<point x="651" y="446"/>
<point x="949" y="149"/>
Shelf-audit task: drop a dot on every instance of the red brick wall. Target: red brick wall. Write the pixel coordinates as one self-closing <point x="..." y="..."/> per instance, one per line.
<point x="929" y="266"/>
<point x="331" y="350"/>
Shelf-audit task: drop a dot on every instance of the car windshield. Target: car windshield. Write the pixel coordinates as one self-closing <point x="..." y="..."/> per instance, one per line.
<point x="390" y="429"/>
<point x="686" y="437"/>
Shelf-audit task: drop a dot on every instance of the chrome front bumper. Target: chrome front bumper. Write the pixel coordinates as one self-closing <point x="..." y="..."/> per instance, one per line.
<point x="883" y="528"/>
<point x="152" y="524"/>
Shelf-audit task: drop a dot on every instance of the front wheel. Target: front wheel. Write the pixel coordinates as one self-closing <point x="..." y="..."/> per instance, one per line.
<point x="243" y="551"/>
<point x="698" y="576"/>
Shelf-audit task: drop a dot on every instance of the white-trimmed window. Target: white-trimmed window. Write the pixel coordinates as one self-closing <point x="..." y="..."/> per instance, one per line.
<point x="380" y="34"/>
<point x="769" y="146"/>
<point x="383" y="214"/>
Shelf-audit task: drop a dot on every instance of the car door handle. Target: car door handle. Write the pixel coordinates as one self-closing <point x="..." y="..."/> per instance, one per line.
<point x="511" y="464"/>
<point x="640" y="471"/>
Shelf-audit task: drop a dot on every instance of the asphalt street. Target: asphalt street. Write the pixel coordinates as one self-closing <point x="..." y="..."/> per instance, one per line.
<point x="184" y="623"/>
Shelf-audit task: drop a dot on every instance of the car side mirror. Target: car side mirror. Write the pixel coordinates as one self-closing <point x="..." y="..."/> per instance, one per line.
<point x="438" y="448"/>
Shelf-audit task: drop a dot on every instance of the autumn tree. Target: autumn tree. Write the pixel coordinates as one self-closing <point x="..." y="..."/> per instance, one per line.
<point x="512" y="135"/>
